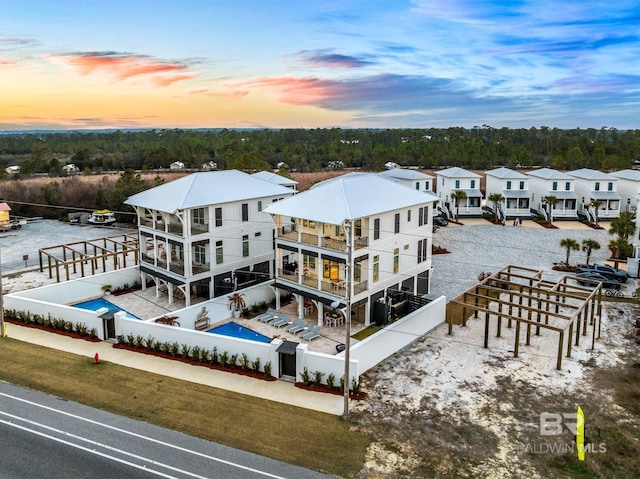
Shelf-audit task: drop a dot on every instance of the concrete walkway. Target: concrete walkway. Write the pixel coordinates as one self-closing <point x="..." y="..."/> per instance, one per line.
<point x="279" y="391"/>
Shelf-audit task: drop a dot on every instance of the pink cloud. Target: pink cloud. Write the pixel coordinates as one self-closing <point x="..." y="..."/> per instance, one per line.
<point x="293" y="91"/>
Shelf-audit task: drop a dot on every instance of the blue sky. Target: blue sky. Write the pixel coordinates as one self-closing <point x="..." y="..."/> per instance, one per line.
<point x="290" y="64"/>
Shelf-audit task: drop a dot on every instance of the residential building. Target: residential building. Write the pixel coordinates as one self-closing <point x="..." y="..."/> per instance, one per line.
<point x="12" y="170"/>
<point x="628" y="188"/>
<point x="458" y="179"/>
<point x="207" y="234"/>
<point x="70" y="168"/>
<point x="514" y="188"/>
<point x="176" y="165"/>
<point x="276" y="179"/>
<point x="547" y="182"/>
<point x="369" y="242"/>
<point x="411" y="178"/>
<point x="593" y="185"/>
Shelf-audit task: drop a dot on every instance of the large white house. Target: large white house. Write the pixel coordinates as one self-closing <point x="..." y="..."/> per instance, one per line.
<point x="206" y="234"/>
<point x="547" y="182"/>
<point x="358" y="238"/>
<point x="411" y="178"/>
<point x="514" y="188"/>
<point x="459" y="180"/>
<point x="628" y="188"/>
<point x="593" y="185"/>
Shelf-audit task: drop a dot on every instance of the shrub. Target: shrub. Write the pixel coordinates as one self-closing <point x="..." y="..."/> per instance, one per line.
<point x="139" y="341"/>
<point x="93" y="333"/>
<point x="304" y="376"/>
<point x="317" y="377"/>
<point x="185" y="350"/>
<point x="131" y="339"/>
<point x="195" y="353"/>
<point x="174" y="347"/>
<point x="215" y="359"/>
<point x="355" y="386"/>
<point x="267" y="368"/>
<point x="342" y="383"/>
<point x="331" y="381"/>
<point x="233" y="361"/>
<point x="256" y="364"/>
<point x="224" y="358"/>
<point x="120" y="339"/>
<point x="150" y="342"/>
<point x="244" y="361"/>
<point x="204" y="355"/>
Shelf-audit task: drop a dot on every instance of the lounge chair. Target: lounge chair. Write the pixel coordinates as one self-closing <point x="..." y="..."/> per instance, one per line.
<point x="298" y="325"/>
<point x="282" y="319"/>
<point x="268" y="315"/>
<point x="313" y="332"/>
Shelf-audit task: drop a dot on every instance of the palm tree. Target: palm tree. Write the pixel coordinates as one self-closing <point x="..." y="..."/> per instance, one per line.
<point x="458" y="195"/>
<point x="617" y="247"/>
<point x="588" y="246"/>
<point x="570" y="245"/>
<point x="496" y="198"/>
<point x="551" y="202"/>
<point x="624" y="226"/>
<point x="595" y="204"/>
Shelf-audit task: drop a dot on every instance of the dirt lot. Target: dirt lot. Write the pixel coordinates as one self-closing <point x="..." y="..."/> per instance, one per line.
<point x="446" y="407"/>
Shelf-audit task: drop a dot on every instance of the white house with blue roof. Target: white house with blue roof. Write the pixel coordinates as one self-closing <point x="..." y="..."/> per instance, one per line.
<point x="360" y="237"/>
<point x="207" y="234"/>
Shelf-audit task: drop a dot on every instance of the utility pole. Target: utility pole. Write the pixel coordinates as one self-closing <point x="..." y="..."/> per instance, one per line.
<point x="347" y="342"/>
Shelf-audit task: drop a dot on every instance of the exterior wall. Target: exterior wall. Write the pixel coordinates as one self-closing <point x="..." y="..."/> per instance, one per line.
<point x="445" y="186"/>
<point x="541" y="187"/>
<point x="511" y="205"/>
<point x="628" y="190"/>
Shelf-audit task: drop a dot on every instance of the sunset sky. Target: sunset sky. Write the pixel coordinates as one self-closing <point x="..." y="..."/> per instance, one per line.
<point x="92" y="64"/>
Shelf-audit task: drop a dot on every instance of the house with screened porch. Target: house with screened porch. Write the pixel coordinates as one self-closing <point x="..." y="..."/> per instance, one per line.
<point x="457" y="179"/>
<point x="514" y="188"/>
<point x="594" y="187"/>
<point x="361" y="240"/>
<point x="547" y="182"/>
<point x="206" y="234"/>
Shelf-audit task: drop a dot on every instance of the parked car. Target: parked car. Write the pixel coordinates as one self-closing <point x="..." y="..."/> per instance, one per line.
<point x="440" y="221"/>
<point x="605" y="270"/>
<point x="582" y="278"/>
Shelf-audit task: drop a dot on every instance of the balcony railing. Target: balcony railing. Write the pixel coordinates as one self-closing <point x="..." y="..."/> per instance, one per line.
<point x="198" y="268"/>
<point x="175" y="228"/>
<point x="333" y="243"/>
<point x="361" y="242"/>
<point x="177" y="268"/>
<point x="335" y="287"/>
<point x="197" y="228"/>
<point x="360" y="287"/>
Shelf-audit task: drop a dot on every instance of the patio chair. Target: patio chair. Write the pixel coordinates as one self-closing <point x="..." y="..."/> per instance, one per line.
<point x="298" y="325"/>
<point x="313" y="332"/>
<point x="282" y="320"/>
<point x="268" y="315"/>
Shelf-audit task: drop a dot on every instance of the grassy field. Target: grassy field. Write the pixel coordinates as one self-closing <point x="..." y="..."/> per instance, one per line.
<point x="298" y="436"/>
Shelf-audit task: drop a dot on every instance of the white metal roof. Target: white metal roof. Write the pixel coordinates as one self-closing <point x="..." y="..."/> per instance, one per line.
<point x="588" y="174"/>
<point x="274" y="178"/>
<point x="550" y="174"/>
<point x="456" y="172"/>
<point x="207" y="188"/>
<point x="506" y="174"/>
<point x="633" y="175"/>
<point x="350" y="197"/>
<point x="405" y="174"/>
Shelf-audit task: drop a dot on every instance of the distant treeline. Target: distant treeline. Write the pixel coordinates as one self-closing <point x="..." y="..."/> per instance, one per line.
<point x="304" y="150"/>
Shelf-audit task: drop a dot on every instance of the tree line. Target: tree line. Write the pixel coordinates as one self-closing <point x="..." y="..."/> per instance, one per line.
<point x="308" y="150"/>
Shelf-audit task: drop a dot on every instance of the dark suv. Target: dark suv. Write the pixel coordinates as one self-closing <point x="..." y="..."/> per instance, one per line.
<point x="440" y="221"/>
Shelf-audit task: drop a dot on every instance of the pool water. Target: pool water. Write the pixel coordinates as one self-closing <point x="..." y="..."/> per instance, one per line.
<point x="96" y="304"/>
<point x="236" y="330"/>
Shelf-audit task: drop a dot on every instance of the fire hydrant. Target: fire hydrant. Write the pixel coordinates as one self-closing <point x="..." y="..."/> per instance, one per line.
<point x="96" y="359"/>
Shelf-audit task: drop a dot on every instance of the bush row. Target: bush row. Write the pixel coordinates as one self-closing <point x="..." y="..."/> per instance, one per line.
<point x="315" y="378"/>
<point x="50" y="322"/>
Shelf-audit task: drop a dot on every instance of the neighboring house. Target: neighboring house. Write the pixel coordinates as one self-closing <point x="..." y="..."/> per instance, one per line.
<point x="389" y="228"/>
<point x="458" y="179"/>
<point x="276" y="179"/>
<point x="206" y="233"/>
<point x="549" y="182"/>
<point x="628" y="188"/>
<point x="514" y="188"/>
<point x="209" y="166"/>
<point x="176" y="165"/>
<point x="594" y="185"/>
<point x="411" y="178"/>
<point x="4" y="214"/>
<point x="70" y="168"/>
<point x="12" y="170"/>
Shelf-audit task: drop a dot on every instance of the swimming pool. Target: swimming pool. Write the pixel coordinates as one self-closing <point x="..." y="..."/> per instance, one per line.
<point x="96" y="304"/>
<point x="236" y="330"/>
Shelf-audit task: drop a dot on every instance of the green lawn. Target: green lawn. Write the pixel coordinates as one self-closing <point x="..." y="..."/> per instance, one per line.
<point x="298" y="436"/>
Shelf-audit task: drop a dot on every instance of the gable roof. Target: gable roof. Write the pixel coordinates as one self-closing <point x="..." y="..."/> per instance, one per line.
<point x="348" y="198"/>
<point x="506" y="173"/>
<point x="405" y="174"/>
<point x="5" y="207"/>
<point x="203" y="189"/>
<point x="456" y="172"/>
<point x="588" y="174"/>
<point x="274" y="178"/>
<point x="550" y="174"/>
<point x="633" y="175"/>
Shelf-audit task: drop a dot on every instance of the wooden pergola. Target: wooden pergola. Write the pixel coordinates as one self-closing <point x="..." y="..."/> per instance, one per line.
<point x="92" y="254"/>
<point x="520" y="295"/>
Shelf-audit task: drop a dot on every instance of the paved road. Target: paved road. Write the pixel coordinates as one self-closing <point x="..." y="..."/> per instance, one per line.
<point x="45" y="436"/>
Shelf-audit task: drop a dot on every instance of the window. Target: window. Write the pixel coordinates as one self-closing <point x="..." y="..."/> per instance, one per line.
<point x="522" y="185"/>
<point x="422" y="250"/>
<point x="396" y="225"/>
<point x="218" y="216"/>
<point x="567" y="186"/>
<point x="508" y="185"/>
<point x="426" y="185"/>
<point x="198" y="216"/>
<point x="257" y="234"/>
<point x="200" y="254"/>
<point x="245" y="212"/>
<point x="610" y="186"/>
<point x="245" y="246"/>
<point x="376" y="268"/>
<point x="219" y="257"/>
<point x="396" y="260"/>
<point x="376" y="229"/>
<point x="423" y="216"/>
<point x="309" y="261"/>
<point x="357" y="272"/>
<point x="554" y="186"/>
<point x="418" y="185"/>
<point x="457" y="184"/>
<point x="259" y="205"/>
<point x="473" y="184"/>
<point x="357" y="228"/>
<point x="597" y="187"/>
<point x="408" y="216"/>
